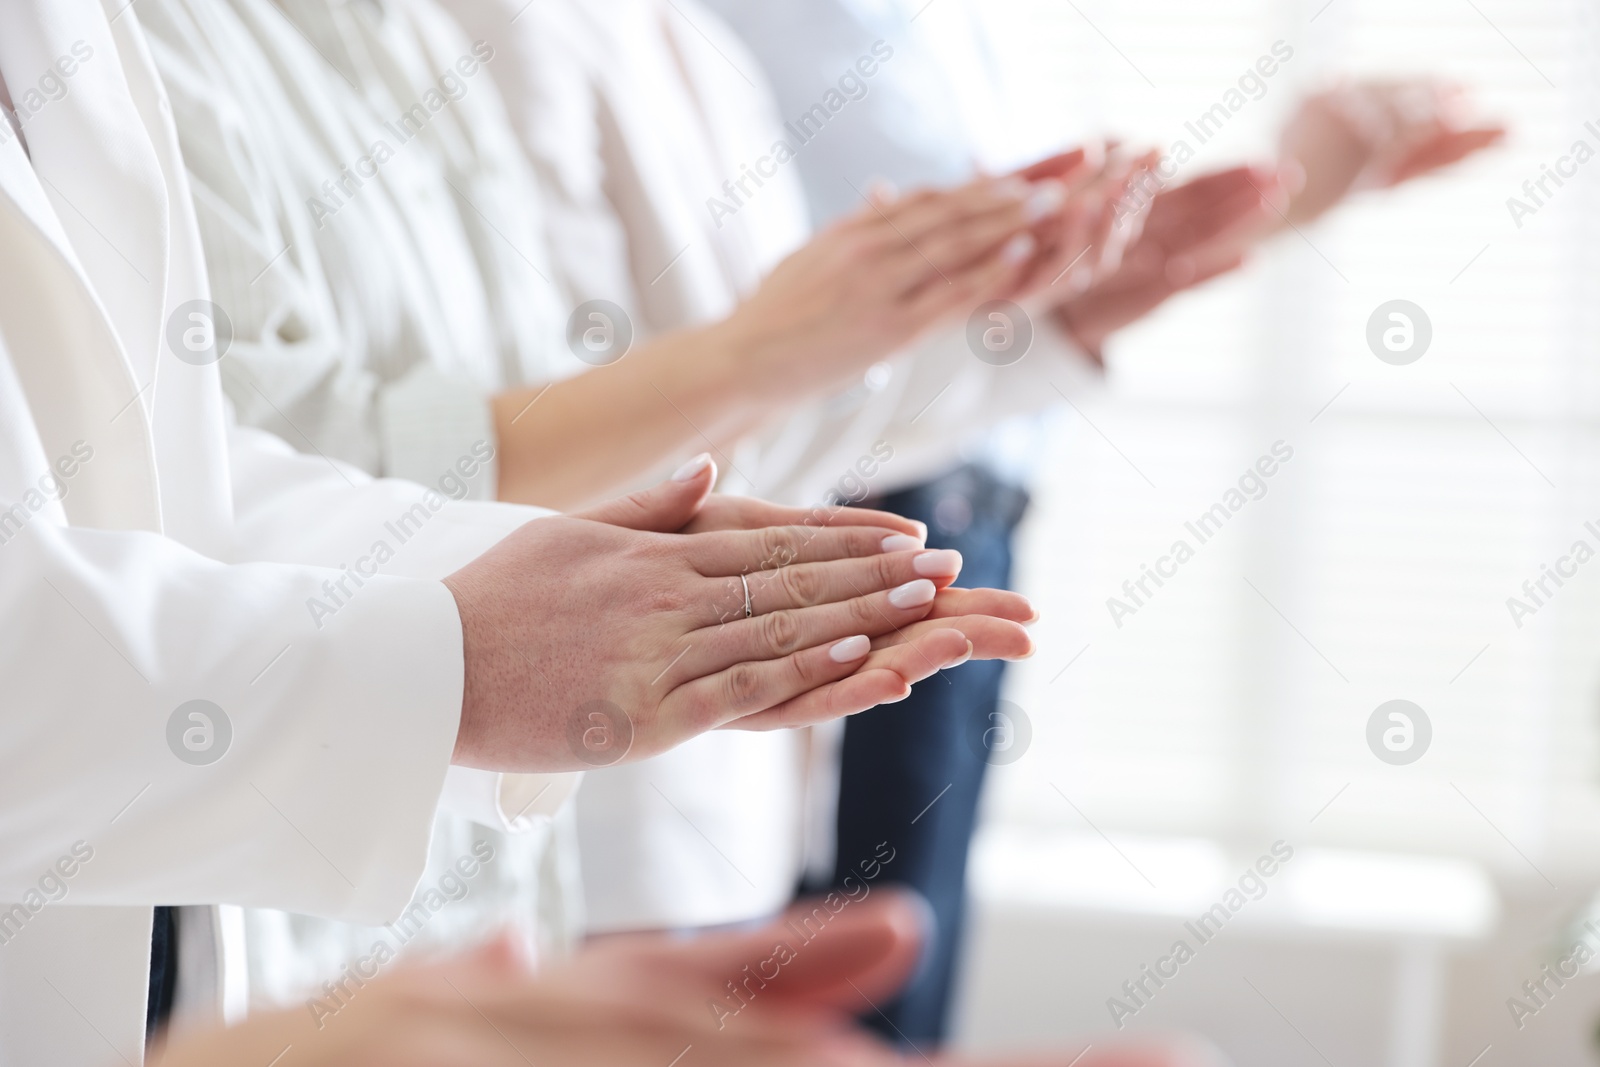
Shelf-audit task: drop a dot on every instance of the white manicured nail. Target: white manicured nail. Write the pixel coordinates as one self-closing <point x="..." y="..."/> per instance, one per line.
<point x="850" y="649"/>
<point x="900" y="543"/>
<point x="913" y="594"/>
<point x="963" y="659"/>
<point x="1045" y="200"/>
<point x="940" y="563"/>
<point x="1018" y="249"/>
<point x="693" y="467"/>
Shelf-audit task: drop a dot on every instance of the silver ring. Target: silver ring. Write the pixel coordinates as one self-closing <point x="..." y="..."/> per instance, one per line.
<point x="749" y="610"/>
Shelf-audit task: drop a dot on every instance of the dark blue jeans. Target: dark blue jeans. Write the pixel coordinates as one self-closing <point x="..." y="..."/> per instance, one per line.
<point x="910" y="773"/>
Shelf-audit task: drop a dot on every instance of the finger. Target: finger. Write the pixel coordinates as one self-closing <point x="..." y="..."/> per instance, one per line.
<point x="751" y="684"/>
<point x="998" y="603"/>
<point x="749" y="513"/>
<point x="725" y="553"/>
<point x="724" y="645"/>
<point x="1201" y="194"/>
<point x="885" y="678"/>
<point x="1065" y="166"/>
<point x="804" y="585"/>
<point x="664" y="507"/>
<point x="1070" y="249"/>
<point x="1241" y="210"/>
<point x="960" y="244"/>
<point x="1444" y="150"/>
<point x="914" y="219"/>
<point x="992" y="278"/>
<point x="868" y="949"/>
<point x="987" y="637"/>
<point x="874" y="942"/>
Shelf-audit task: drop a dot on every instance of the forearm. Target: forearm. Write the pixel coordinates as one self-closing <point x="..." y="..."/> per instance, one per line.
<point x="576" y="441"/>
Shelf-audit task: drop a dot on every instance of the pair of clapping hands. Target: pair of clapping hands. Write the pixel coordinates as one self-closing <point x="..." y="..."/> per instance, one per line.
<point x="638" y="607"/>
<point x="1097" y="237"/>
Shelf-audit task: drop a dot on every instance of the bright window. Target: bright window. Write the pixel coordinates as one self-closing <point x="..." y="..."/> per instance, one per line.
<point x="1234" y="703"/>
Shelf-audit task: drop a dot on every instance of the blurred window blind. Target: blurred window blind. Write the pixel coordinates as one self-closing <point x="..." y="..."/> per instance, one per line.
<point x="1419" y="498"/>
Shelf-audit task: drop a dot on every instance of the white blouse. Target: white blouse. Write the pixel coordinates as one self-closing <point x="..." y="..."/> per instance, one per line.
<point x="368" y="232"/>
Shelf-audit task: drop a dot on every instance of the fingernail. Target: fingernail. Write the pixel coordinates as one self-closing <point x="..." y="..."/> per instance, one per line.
<point x="900" y="543"/>
<point x="1045" y="200"/>
<point x="963" y="659"/>
<point x="940" y="563"/>
<point x="693" y="467"/>
<point x="898" y="699"/>
<point x="913" y="594"/>
<point x="850" y="649"/>
<point x="1018" y="249"/>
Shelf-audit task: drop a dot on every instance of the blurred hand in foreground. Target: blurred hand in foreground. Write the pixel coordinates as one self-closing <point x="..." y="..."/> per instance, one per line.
<point x="781" y="996"/>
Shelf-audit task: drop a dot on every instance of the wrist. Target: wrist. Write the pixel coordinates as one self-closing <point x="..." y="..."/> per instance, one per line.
<point x="465" y="753"/>
<point x="741" y="360"/>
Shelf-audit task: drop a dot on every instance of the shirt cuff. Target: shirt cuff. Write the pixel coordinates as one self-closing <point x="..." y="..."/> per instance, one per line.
<point x="513" y="803"/>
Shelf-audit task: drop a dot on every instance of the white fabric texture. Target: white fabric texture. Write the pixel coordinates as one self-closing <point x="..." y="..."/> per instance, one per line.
<point x="160" y="556"/>
<point x="339" y="155"/>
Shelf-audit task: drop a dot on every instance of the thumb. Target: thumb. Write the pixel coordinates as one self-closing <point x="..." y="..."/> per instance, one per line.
<point x="868" y="949"/>
<point x="665" y="507"/>
<point x="819" y="957"/>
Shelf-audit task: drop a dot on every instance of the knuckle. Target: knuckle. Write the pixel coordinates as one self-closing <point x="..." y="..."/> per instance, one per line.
<point x="802" y="585"/>
<point x="864" y="615"/>
<point x="663" y="600"/>
<point x="857" y="541"/>
<point x="743" y="690"/>
<point x="884" y="572"/>
<point x="776" y="544"/>
<point x="780" y="632"/>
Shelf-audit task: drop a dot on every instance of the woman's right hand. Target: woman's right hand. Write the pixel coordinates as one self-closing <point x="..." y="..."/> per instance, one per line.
<point x="572" y="626"/>
<point x="872" y="282"/>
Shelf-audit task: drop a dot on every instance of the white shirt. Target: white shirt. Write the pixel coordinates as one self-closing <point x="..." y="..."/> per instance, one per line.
<point x="171" y="558"/>
<point x="374" y="311"/>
